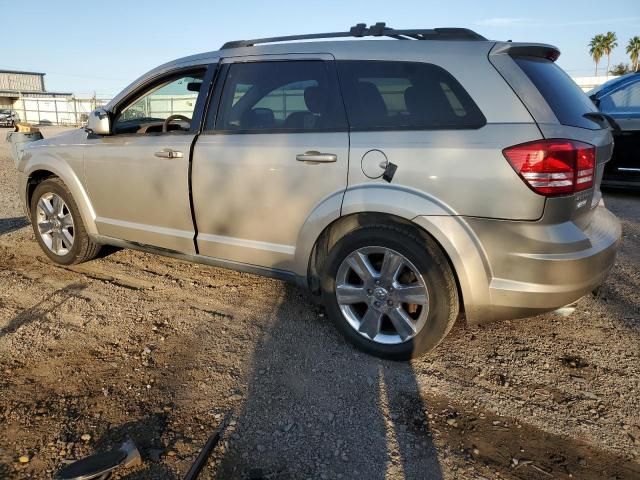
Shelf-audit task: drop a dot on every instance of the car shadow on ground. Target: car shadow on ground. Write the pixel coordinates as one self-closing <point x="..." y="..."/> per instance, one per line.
<point x="354" y="416"/>
<point x="8" y="225"/>
<point x="39" y="310"/>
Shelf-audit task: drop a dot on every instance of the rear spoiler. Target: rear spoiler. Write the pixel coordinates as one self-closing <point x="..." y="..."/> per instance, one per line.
<point x="540" y="50"/>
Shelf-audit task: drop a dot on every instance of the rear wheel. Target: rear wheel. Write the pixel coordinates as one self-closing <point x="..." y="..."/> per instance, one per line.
<point x="391" y="293"/>
<point x="58" y="226"/>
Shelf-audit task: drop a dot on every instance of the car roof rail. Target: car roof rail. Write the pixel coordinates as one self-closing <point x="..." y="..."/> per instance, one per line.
<point x="378" y="30"/>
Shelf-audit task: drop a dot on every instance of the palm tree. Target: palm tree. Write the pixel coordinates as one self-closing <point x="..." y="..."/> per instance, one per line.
<point x="596" y="49"/>
<point x="633" y="49"/>
<point x="609" y="42"/>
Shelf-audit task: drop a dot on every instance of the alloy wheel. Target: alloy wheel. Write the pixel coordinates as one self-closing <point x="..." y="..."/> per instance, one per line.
<point x="55" y="224"/>
<point x="382" y="295"/>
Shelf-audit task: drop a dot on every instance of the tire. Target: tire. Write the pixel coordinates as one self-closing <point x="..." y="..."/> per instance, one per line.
<point x="82" y="248"/>
<point x="424" y="266"/>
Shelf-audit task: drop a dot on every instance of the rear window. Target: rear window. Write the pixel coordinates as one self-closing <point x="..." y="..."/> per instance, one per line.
<point x="382" y="95"/>
<point x="567" y="101"/>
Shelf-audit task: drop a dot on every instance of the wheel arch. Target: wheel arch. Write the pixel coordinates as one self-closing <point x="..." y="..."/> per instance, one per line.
<point x="37" y="173"/>
<point x="349" y="223"/>
<point x="465" y="257"/>
<point x="36" y="177"/>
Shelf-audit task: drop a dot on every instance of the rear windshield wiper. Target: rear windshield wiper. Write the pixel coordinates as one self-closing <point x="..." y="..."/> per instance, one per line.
<point x="603" y="120"/>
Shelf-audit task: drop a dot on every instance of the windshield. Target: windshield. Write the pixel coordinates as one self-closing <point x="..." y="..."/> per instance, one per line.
<point x="5" y="112"/>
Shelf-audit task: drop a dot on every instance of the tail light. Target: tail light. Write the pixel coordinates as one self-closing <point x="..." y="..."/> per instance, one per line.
<point x="554" y="167"/>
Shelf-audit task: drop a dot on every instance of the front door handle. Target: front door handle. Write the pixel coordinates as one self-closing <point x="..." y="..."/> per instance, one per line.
<point x="168" y="153"/>
<point x="316" y="157"/>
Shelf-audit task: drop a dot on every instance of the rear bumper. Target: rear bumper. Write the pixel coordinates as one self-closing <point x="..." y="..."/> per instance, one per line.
<point x="526" y="279"/>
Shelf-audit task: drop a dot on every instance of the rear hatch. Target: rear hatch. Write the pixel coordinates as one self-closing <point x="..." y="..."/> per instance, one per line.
<point x="558" y="107"/>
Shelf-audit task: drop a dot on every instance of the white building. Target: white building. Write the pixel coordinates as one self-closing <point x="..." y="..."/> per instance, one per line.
<point x="25" y="93"/>
<point x="587" y="83"/>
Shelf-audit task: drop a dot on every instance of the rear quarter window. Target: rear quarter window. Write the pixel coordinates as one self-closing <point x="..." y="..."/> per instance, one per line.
<point x="388" y="95"/>
<point x="567" y="101"/>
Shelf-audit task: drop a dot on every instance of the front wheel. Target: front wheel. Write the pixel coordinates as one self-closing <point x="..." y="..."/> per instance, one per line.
<point x="390" y="292"/>
<point x="58" y="226"/>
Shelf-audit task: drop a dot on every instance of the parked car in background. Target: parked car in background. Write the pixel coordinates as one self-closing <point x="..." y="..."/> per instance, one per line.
<point x="402" y="180"/>
<point x="8" y="118"/>
<point x="620" y="99"/>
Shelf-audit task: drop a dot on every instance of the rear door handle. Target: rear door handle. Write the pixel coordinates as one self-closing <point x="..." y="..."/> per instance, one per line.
<point x="316" y="157"/>
<point x="168" y="153"/>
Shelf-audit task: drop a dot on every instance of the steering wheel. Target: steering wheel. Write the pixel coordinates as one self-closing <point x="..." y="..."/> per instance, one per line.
<point x="171" y="118"/>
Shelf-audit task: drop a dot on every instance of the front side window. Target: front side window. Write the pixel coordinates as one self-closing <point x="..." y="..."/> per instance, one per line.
<point x="383" y="95"/>
<point x="282" y="96"/>
<point x="166" y="107"/>
<point x="624" y="100"/>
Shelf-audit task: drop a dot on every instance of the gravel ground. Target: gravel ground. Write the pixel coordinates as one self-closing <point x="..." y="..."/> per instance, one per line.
<point x="158" y="350"/>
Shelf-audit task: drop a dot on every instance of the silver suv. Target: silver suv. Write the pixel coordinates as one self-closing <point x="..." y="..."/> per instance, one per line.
<point x="404" y="180"/>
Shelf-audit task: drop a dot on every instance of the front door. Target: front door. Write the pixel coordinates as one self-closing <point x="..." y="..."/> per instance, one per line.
<point x="138" y="177"/>
<point x="275" y="152"/>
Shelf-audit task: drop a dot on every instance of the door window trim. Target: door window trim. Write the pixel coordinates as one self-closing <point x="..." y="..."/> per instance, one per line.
<point x="209" y="71"/>
<point x="214" y="105"/>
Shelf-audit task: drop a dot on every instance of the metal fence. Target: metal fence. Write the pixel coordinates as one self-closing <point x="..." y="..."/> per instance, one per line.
<point x="56" y="111"/>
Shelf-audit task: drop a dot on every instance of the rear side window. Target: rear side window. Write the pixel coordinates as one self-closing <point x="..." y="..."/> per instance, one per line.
<point x="567" y="101"/>
<point x="285" y="96"/>
<point x="382" y="95"/>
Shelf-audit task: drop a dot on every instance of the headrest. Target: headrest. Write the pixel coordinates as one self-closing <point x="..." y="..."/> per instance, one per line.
<point x="412" y="100"/>
<point x="258" y="118"/>
<point x="371" y="101"/>
<point x="429" y="103"/>
<point x="315" y="99"/>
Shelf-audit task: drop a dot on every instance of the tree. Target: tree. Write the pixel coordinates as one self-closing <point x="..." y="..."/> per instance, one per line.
<point x="596" y="49"/>
<point x="620" y="69"/>
<point x="609" y="42"/>
<point x="633" y="49"/>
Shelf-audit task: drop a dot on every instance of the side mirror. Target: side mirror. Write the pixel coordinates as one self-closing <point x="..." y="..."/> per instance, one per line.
<point x="99" y="122"/>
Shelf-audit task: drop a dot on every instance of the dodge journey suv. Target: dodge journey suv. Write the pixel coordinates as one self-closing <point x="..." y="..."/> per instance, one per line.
<point x="404" y="180"/>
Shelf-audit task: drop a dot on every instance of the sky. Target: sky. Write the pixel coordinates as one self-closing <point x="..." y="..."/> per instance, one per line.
<point x="88" y="46"/>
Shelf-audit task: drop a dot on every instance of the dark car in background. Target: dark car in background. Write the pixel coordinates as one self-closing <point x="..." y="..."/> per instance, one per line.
<point x="8" y="118"/>
<point x="620" y="99"/>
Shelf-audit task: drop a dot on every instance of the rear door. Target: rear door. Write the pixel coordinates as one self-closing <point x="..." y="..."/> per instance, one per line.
<point x="274" y="152"/>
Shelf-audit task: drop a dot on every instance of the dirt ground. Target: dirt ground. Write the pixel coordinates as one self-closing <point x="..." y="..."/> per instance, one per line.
<point x="158" y="350"/>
